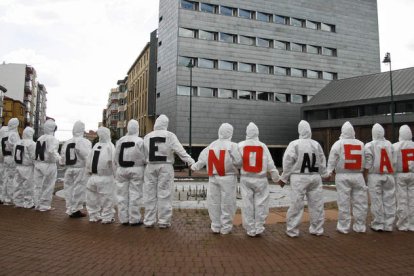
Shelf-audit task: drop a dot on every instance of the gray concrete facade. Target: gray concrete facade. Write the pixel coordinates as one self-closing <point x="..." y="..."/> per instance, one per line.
<point x="355" y="41"/>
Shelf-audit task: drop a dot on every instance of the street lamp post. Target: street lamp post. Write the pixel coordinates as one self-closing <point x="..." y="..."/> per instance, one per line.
<point x="190" y="65"/>
<point x="387" y="59"/>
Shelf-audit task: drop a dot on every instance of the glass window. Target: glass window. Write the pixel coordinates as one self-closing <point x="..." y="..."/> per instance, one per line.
<point x="327" y="27"/>
<point x="227" y="11"/>
<point x="263" y="42"/>
<point x="312" y="25"/>
<point x="261" y="16"/>
<point x="297" y="47"/>
<point x="184" y="61"/>
<point x="246" y="14"/>
<point x="226" y="93"/>
<point x="314" y="49"/>
<point x="297" y="22"/>
<point x="230" y="38"/>
<point x="183" y="32"/>
<point x="188" y="5"/>
<point x="283" y="45"/>
<point x="264" y="96"/>
<point x="206" y="63"/>
<point x="329" y="51"/>
<point x="184" y="90"/>
<point x="329" y="76"/>
<point x="205" y="92"/>
<point x="280" y="19"/>
<point x="245" y="95"/>
<point x="227" y="65"/>
<point x="207" y="35"/>
<point x="315" y="115"/>
<point x="264" y="69"/>
<point x="280" y="97"/>
<point x="313" y="74"/>
<point x="295" y="72"/>
<point x="204" y="7"/>
<point x="283" y="71"/>
<point x="246" y="40"/>
<point x="294" y="98"/>
<point x="246" y="67"/>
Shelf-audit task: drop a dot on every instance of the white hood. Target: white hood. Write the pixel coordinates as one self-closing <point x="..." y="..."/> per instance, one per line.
<point x="304" y="130"/>
<point x="78" y="129"/>
<point x="104" y="135"/>
<point x="161" y="123"/>
<point x="3" y="131"/>
<point x="225" y="131"/>
<point x="133" y="127"/>
<point x="13" y="124"/>
<point x="378" y="132"/>
<point x="28" y="133"/>
<point x="49" y="127"/>
<point x="405" y="133"/>
<point x="252" y="132"/>
<point x="347" y="131"/>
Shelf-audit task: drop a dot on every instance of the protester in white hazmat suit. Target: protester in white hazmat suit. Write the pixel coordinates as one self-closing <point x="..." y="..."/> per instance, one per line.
<point x="73" y="154"/>
<point x="159" y="146"/>
<point x="257" y="162"/>
<point x="381" y="184"/>
<point x="403" y="152"/>
<point x="303" y="165"/>
<point x="24" y="155"/>
<point x="45" y="169"/>
<point x="3" y="134"/>
<point x="100" y="187"/>
<point x="222" y="159"/>
<point x="129" y="179"/>
<point x="346" y="162"/>
<point x="8" y="142"/>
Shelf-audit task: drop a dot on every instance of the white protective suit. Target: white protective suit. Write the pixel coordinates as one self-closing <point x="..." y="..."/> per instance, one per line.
<point x="9" y="141"/>
<point x="303" y="164"/>
<point x="381" y="183"/>
<point x="346" y="159"/>
<point x="100" y="187"/>
<point x="129" y="179"/>
<point x="45" y="169"/>
<point x="73" y="154"/>
<point x="222" y="159"/>
<point x="257" y="161"/>
<point x="159" y="147"/>
<point x="403" y="152"/>
<point x="24" y="155"/>
<point x="3" y="134"/>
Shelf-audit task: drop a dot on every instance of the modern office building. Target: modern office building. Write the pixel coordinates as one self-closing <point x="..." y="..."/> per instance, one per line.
<point x="257" y="60"/>
<point x="364" y="101"/>
<point x="141" y="87"/>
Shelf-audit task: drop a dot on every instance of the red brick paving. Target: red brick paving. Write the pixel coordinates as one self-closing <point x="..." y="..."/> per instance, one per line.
<point x="34" y="243"/>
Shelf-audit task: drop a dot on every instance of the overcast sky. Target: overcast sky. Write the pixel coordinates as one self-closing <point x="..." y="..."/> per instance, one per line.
<point x="80" y="48"/>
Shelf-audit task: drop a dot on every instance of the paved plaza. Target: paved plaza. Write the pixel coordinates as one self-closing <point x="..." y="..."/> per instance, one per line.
<point x="50" y="243"/>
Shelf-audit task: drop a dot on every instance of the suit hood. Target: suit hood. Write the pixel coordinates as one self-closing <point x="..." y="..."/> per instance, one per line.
<point x="405" y="133"/>
<point x="133" y="127"/>
<point x="252" y="131"/>
<point x="304" y="130"/>
<point x="78" y="129"/>
<point x="50" y="127"/>
<point x="161" y="123"/>
<point x="225" y="131"/>
<point x="347" y="131"/>
<point x="28" y="133"/>
<point x="13" y="124"/>
<point x="378" y="132"/>
<point x="3" y="131"/>
<point x="104" y="135"/>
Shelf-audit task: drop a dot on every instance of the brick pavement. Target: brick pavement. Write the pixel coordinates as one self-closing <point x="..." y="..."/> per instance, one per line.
<point x="34" y="243"/>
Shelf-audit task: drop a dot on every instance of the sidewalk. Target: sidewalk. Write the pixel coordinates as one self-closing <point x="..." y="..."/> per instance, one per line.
<point x="36" y="243"/>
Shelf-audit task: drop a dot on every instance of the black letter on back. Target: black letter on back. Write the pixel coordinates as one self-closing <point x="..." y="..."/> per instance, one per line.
<point x="70" y="147"/>
<point x="125" y="164"/>
<point x="306" y="163"/>
<point x="3" y="146"/>
<point x="40" y="150"/>
<point x="95" y="160"/>
<point x="153" y="148"/>
<point x="18" y="154"/>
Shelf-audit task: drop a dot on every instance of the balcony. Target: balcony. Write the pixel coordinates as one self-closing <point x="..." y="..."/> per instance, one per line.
<point x="122" y="108"/>
<point x="28" y="87"/>
<point x="115" y="111"/>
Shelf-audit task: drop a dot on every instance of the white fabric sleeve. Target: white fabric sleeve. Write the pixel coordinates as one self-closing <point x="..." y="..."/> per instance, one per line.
<point x="333" y="158"/>
<point x="322" y="168"/>
<point x="202" y="160"/>
<point x="180" y="151"/>
<point x="235" y="155"/>
<point x="82" y="148"/>
<point x="271" y="168"/>
<point x="289" y="160"/>
<point x="369" y="156"/>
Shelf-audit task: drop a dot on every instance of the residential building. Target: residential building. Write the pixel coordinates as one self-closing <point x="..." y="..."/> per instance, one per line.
<point x="112" y="115"/>
<point x="257" y="60"/>
<point x="142" y="87"/>
<point x="122" y="107"/>
<point x="364" y="101"/>
<point x="40" y="113"/>
<point x="14" y="109"/>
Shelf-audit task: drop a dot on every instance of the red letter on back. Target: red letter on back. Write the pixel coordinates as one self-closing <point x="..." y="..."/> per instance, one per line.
<point x="217" y="163"/>
<point x="385" y="162"/>
<point x="356" y="159"/>
<point x="259" y="159"/>
<point x="407" y="155"/>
